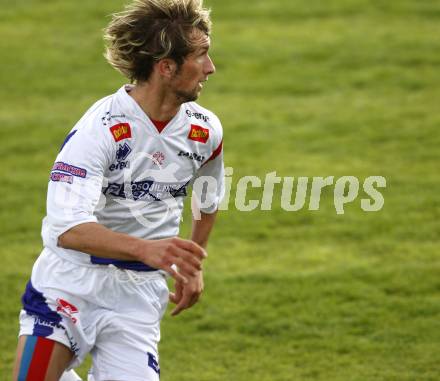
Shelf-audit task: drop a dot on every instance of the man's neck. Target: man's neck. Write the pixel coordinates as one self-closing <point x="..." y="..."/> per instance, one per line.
<point x="156" y="102"/>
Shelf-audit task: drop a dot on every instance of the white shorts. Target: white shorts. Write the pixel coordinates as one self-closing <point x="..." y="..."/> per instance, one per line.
<point x="114" y="314"/>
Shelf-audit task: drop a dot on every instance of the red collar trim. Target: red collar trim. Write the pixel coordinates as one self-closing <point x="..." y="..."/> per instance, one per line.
<point x="160" y="125"/>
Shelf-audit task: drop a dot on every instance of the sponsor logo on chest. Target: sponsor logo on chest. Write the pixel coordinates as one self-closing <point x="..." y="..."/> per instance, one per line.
<point x="121" y="154"/>
<point x="198" y="134"/>
<point x="121" y="131"/>
<point x="197" y="115"/>
<point x="191" y="156"/>
<point x="106" y="119"/>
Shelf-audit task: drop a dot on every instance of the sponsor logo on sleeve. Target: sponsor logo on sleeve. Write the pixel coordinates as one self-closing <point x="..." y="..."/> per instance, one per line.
<point x="61" y="177"/>
<point x="69" y="169"/>
<point x="121" y="131"/>
<point x="198" y="134"/>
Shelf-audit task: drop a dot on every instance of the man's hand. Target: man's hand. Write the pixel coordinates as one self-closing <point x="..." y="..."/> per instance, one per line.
<point x="164" y="253"/>
<point x="187" y="294"/>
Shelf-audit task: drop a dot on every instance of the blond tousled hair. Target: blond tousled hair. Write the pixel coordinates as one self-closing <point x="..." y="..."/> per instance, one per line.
<point x="150" y="30"/>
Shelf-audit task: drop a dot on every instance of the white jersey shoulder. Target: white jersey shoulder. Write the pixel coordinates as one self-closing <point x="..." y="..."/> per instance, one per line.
<point x="205" y="118"/>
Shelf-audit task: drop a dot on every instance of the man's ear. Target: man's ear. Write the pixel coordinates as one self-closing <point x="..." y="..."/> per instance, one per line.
<point x="167" y="67"/>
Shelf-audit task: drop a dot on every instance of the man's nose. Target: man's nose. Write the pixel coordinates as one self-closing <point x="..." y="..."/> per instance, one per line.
<point x="210" y="68"/>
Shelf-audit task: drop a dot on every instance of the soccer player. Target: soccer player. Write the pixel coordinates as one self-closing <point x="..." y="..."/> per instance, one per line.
<point x="115" y="200"/>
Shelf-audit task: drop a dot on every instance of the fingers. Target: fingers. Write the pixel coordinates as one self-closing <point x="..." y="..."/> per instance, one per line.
<point x="178" y="268"/>
<point x="177" y="295"/>
<point x="169" y="253"/>
<point x="183" y="304"/>
<point x="193" y="248"/>
<point x="186" y="255"/>
<point x="178" y="277"/>
<point x="174" y="298"/>
<point x="186" y="296"/>
<point x="186" y="263"/>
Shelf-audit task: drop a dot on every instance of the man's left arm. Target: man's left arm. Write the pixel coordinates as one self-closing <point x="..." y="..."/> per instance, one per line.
<point x="209" y="186"/>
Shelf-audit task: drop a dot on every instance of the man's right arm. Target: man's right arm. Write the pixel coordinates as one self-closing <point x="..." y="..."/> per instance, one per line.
<point x="74" y="193"/>
<point x="95" y="239"/>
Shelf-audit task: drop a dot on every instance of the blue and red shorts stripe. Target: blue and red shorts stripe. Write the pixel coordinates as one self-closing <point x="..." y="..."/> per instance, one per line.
<point x="35" y="358"/>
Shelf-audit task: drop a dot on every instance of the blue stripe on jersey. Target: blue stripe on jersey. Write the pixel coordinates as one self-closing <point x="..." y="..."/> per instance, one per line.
<point x="26" y="357"/>
<point x="128" y="265"/>
<point x="68" y="137"/>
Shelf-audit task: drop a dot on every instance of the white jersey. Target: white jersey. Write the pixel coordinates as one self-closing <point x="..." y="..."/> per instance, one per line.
<point x="115" y="168"/>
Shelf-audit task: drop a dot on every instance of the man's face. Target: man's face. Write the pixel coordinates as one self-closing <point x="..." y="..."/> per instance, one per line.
<point x="197" y="66"/>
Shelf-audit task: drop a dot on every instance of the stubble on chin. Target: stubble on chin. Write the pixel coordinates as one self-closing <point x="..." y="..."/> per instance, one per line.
<point x="185" y="97"/>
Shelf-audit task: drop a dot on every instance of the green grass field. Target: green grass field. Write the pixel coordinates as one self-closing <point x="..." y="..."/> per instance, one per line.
<point x="303" y="88"/>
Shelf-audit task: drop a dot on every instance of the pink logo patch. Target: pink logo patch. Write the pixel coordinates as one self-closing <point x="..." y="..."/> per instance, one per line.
<point x="159" y="157"/>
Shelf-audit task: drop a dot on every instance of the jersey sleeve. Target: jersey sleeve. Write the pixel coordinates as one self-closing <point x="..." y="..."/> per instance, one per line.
<point x="208" y="185"/>
<point x="76" y="179"/>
